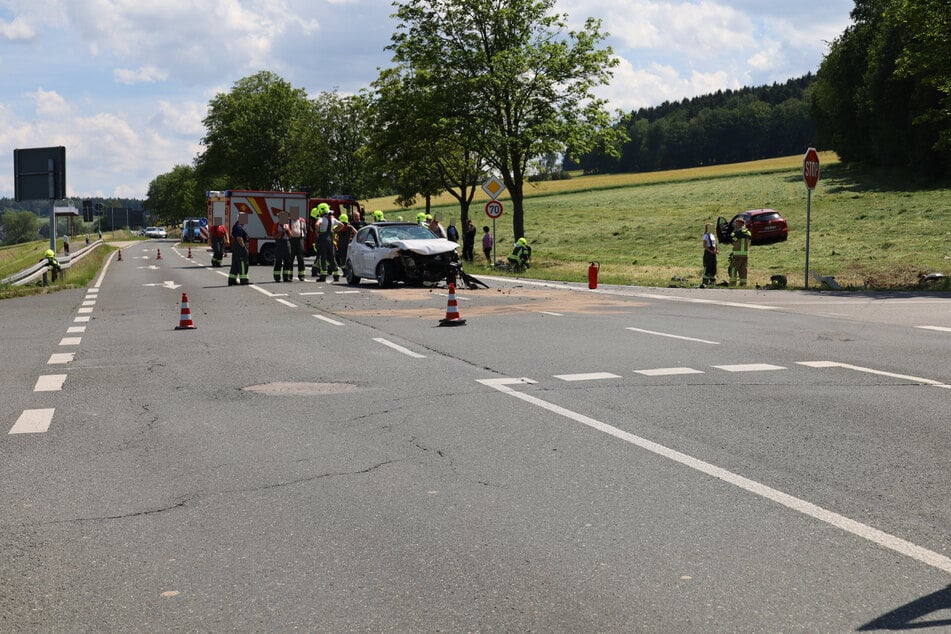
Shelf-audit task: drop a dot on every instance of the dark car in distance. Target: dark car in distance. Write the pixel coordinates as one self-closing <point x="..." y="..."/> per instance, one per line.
<point x="765" y="225"/>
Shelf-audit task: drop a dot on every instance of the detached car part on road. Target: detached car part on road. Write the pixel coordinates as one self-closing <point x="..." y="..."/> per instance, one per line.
<point x="392" y="252"/>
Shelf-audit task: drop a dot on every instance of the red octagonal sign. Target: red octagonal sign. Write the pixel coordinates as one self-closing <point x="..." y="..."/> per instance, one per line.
<point x="810" y="168"/>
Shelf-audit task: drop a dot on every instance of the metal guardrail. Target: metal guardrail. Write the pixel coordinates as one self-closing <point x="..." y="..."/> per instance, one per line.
<point x="36" y="271"/>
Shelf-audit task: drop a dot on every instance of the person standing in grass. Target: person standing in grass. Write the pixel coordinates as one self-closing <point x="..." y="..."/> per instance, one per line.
<point x="468" y="241"/>
<point x="710" y="252"/>
<point x="741" y="238"/>
<point x="487" y="242"/>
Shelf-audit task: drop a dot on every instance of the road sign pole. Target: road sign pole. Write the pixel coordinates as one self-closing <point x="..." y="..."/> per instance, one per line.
<point x="810" y="174"/>
<point x="808" y="220"/>
<point x="495" y="240"/>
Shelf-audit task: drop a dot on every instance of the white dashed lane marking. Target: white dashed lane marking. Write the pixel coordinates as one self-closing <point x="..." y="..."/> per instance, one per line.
<point x="70" y="341"/>
<point x="60" y="358"/>
<point x="668" y="371"/>
<point x="33" y="421"/>
<point x="591" y="376"/>
<point x="937" y="328"/>
<point x="49" y="383"/>
<point x="399" y="348"/>
<point x="749" y="367"/>
<point x="333" y="322"/>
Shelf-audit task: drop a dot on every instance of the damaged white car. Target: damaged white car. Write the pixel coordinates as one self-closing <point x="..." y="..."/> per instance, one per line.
<point x="392" y="252"/>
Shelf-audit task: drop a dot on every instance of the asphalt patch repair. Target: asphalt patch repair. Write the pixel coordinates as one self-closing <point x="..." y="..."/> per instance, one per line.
<point x="496" y="301"/>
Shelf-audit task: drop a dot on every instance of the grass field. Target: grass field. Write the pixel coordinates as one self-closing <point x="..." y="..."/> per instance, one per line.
<point x="867" y="228"/>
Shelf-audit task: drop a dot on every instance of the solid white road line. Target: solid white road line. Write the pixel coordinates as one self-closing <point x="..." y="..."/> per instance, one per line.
<point x="316" y="293"/>
<point x="33" y="421"/>
<point x="399" y="348"/>
<point x="49" y="383"/>
<point x="903" y="377"/>
<point x="329" y="320"/>
<point x="591" y="376"/>
<point x="896" y="544"/>
<point x="60" y="358"/>
<point x="287" y="303"/>
<point x="545" y="312"/>
<point x="664" y="334"/>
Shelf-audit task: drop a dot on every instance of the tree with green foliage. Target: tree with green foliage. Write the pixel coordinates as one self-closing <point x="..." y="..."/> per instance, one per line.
<point x="511" y="77"/>
<point x="19" y="226"/>
<point x="422" y="151"/>
<point x="878" y="96"/>
<point x="248" y="140"/>
<point x="926" y="56"/>
<point x="176" y="195"/>
<point x="327" y="146"/>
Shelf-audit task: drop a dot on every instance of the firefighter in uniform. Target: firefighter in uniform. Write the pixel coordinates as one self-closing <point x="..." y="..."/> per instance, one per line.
<point x="283" y="267"/>
<point x="297" y="229"/>
<point x="218" y="237"/>
<point x="741" y="238"/>
<point x="52" y="263"/>
<point x="343" y="234"/>
<point x="325" y="263"/>
<point x="521" y="255"/>
<point x="240" y="257"/>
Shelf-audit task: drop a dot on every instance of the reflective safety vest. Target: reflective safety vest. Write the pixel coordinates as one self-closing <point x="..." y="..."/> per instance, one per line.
<point x="741" y="241"/>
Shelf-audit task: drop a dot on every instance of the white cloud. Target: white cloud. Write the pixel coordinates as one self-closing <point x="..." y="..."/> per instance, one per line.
<point x="144" y="74"/>
<point x="18" y="29"/>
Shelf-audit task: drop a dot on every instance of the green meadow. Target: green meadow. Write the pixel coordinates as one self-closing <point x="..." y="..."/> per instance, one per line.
<point x="869" y="229"/>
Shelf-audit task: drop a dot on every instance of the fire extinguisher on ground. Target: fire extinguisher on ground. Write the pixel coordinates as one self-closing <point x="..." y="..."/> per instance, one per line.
<point x="593" y="274"/>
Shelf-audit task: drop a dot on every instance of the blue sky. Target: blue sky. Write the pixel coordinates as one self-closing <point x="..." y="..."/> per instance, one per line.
<point x="124" y="84"/>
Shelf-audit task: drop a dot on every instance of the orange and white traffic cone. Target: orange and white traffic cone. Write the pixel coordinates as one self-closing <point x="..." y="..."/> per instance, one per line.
<point x="452" y="310"/>
<point x="185" y="323"/>
<point x="159" y="256"/>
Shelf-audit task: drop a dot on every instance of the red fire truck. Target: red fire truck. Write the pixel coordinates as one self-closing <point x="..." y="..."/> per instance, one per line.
<point x="263" y="208"/>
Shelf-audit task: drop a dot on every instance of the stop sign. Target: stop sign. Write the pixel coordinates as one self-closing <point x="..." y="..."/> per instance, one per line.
<point x="810" y="168"/>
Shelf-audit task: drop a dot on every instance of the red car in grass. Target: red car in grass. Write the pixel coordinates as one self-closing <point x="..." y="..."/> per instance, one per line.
<point x="766" y="226"/>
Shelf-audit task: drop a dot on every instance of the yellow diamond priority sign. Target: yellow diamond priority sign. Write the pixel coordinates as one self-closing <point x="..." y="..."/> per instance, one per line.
<point x="493" y="187"/>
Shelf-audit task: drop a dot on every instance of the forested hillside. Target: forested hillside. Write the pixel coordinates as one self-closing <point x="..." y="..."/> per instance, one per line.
<point x="729" y="126"/>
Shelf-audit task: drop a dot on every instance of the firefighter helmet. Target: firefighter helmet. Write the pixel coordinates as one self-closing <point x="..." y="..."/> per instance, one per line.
<point x="50" y="253"/>
<point x="343" y="218"/>
<point x="378" y="215"/>
<point x="522" y="242"/>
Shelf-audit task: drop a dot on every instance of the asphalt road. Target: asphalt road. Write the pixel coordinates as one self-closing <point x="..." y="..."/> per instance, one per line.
<point x="326" y="458"/>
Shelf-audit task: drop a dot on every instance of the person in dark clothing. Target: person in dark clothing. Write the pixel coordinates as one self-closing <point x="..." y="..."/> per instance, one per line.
<point x="240" y="257"/>
<point x="468" y="241"/>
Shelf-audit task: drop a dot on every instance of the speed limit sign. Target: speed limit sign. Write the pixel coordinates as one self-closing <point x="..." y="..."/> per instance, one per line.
<point x="493" y="209"/>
